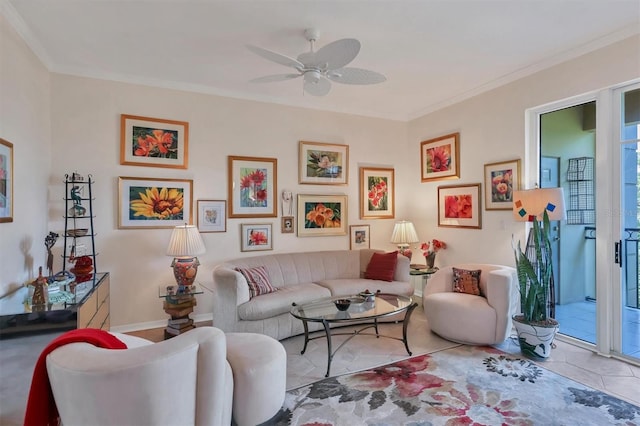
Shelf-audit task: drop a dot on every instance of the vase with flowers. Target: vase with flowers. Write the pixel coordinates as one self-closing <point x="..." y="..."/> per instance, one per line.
<point x="429" y="250"/>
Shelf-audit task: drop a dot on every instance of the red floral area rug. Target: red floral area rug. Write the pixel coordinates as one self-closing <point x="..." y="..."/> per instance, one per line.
<point x="465" y="385"/>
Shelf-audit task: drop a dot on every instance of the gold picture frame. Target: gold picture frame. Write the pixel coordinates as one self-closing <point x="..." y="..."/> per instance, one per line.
<point x="6" y="181"/>
<point x="459" y="206"/>
<point x="253" y="185"/>
<point x="500" y="180"/>
<point x="440" y="158"/>
<point x="323" y="163"/>
<point x="322" y="215"/>
<point x="377" y="193"/>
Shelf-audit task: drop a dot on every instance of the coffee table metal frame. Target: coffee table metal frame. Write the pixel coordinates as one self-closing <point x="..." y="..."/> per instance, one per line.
<point x="334" y="316"/>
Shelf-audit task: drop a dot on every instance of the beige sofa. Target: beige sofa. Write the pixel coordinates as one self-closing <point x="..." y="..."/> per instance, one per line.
<point x="299" y="278"/>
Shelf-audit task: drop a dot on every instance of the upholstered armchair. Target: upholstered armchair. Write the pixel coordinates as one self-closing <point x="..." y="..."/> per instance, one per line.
<point x="472" y="319"/>
<point x="201" y="377"/>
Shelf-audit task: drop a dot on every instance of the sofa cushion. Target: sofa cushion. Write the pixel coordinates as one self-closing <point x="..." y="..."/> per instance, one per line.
<point x="352" y="287"/>
<point x="382" y="266"/>
<point x="273" y="304"/>
<point x="466" y="281"/>
<point x="258" y="280"/>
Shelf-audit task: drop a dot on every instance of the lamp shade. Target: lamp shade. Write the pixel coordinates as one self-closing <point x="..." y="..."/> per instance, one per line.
<point x="185" y="242"/>
<point x="531" y="204"/>
<point x="404" y="233"/>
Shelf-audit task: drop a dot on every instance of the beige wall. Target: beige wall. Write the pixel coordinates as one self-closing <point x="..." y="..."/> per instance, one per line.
<point x="492" y="129"/>
<point x="25" y="122"/>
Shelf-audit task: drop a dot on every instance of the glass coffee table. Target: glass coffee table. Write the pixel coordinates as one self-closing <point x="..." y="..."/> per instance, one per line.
<point x="359" y="311"/>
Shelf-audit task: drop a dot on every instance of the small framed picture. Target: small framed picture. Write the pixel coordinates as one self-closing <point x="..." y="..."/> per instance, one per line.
<point x="440" y="158"/>
<point x="322" y="215"/>
<point x="154" y="203"/>
<point x="500" y="180"/>
<point x="6" y="181"/>
<point x="153" y="142"/>
<point x="377" y="193"/>
<point x="212" y="216"/>
<point x="323" y="163"/>
<point x="459" y="206"/>
<point x="255" y="237"/>
<point x="252" y="187"/>
<point x="287" y="224"/>
<point x="359" y="237"/>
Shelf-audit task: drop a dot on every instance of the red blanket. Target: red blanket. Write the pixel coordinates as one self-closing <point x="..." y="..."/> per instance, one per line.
<point x="41" y="407"/>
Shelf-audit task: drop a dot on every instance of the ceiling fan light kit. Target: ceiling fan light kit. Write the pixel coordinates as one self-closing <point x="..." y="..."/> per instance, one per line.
<point x="319" y="68"/>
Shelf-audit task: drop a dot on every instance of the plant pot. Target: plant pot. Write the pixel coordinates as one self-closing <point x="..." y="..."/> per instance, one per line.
<point x="535" y="340"/>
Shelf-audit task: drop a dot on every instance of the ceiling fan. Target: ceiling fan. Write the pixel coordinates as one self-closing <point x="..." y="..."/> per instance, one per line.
<point x="319" y="68"/>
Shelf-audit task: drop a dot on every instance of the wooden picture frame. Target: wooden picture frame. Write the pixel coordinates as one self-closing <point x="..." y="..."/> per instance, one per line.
<point x="322" y="215"/>
<point x="359" y="237"/>
<point x="377" y="193"/>
<point x="256" y="237"/>
<point x="500" y="180"/>
<point x="139" y="199"/>
<point x="212" y="215"/>
<point x="252" y="187"/>
<point x="6" y="181"/>
<point x="154" y="142"/>
<point x="440" y="158"/>
<point x="287" y="225"/>
<point x="459" y="206"/>
<point x="323" y="163"/>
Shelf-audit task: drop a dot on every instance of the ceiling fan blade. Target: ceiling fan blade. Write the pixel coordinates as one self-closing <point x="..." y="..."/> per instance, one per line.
<point x="337" y="54"/>
<point x="317" y="88"/>
<point x="355" y="76"/>
<point x="276" y="57"/>
<point x="274" y="77"/>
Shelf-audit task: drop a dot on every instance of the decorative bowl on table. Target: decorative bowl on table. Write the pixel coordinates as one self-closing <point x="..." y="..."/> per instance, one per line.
<point x="78" y="232"/>
<point x="368" y="296"/>
<point x="342" y="304"/>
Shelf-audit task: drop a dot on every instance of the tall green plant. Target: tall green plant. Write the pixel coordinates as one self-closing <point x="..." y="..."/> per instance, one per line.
<point x="535" y="275"/>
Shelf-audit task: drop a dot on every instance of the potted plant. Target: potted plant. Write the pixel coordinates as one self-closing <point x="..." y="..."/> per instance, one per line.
<point x="536" y="330"/>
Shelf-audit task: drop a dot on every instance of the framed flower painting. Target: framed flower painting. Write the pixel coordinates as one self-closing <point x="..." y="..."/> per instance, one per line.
<point x="6" y="181"/>
<point x="359" y="237"/>
<point x="377" y="193"/>
<point x="500" y="180"/>
<point x="212" y="215"/>
<point x="252" y="187"/>
<point x="323" y="163"/>
<point x="459" y="206"/>
<point x="153" y="142"/>
<point x="154" y="203"/>
<point x="440" y="158"/>
<point x="256" y="237"/>
<point x="322" y="215"/>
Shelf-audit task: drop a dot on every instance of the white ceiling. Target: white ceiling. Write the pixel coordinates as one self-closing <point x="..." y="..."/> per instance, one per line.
<point x="433" y="53"/>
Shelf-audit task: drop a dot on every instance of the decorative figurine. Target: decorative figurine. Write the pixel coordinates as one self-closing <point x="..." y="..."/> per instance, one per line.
<point x="38" y="300"/>
<point x="49" y="242"/>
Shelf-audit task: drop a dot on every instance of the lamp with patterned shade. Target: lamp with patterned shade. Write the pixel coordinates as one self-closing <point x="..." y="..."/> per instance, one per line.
<point x="404" y="234"/>
<point x="185" y="244"/>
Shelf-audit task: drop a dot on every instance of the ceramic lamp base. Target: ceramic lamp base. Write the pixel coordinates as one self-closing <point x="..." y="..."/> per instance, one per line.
<point x="185" y="270"/>
<point x="405" y="251"/>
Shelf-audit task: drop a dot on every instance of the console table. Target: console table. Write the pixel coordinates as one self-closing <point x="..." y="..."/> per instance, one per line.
<point x="84" y="305"/>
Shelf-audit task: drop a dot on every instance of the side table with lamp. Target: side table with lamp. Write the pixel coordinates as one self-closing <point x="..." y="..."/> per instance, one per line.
<point x="404" y="234"/>
<point x="185" y="245"/>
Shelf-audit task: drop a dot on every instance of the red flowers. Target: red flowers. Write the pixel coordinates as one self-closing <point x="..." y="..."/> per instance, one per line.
<point x="458" y="206"/>
<point x="257" y="238"/>
<point x="432" y="247"/>
<point x="377" y="194"/>
<point x="439" y="159"/>
<point x="156" y="144"/>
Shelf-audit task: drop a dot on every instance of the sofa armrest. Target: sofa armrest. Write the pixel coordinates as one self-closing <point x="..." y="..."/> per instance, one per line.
<point x="230" y="289"/>
<point x="402" y="269"/>
<point x="500" y="293"/>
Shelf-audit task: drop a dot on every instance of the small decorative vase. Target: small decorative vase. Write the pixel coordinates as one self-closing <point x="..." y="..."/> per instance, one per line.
<point x="430" y="258"/>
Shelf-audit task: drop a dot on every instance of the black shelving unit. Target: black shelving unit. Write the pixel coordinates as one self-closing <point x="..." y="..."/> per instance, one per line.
<point x="78" y="214"/>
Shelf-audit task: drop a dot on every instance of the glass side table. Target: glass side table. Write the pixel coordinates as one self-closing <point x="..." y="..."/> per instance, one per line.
<point x="424" y="274"/>
<point x="178" y="303"/>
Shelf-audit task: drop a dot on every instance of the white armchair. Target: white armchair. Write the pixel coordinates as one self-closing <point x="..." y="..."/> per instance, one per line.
<point x="470" y="319"/>
<point x="184" y="380"/>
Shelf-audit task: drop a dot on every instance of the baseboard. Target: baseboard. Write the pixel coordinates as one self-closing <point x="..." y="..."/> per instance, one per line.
<point x="155" y="324"/>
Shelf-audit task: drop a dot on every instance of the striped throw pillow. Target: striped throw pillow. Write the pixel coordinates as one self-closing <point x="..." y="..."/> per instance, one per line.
<point x="258" y="280"/>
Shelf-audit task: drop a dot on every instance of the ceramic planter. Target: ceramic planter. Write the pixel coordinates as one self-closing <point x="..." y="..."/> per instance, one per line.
<point x="535" y="340"/>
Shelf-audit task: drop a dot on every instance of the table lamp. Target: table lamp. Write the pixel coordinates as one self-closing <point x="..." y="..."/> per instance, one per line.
<point x="404" y="234"/>
<point x="185" y="244"/>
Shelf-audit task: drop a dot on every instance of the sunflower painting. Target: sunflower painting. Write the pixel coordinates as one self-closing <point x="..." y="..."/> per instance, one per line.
<point x="152" y="203"/>
<point x="439" y="158"/>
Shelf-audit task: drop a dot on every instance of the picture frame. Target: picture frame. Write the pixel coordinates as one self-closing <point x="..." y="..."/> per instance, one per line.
<point x="212" y="216"/>
<point x="359" y="237"/>
<point x="440" y="158"/>
<point x="287" y="225"/>
<point x="252" y="187"/>
<point x="6" y="181"/>
<point x="137" y="202"/>
<point x="500" y="180"/>
<point x="459" y="206"/>
<point x="377" y="193"/>
<point x="256" y="237"/>
<point x="153" y="142"/>
<point x="322" y="215"/>
<point x="323" y="163"/>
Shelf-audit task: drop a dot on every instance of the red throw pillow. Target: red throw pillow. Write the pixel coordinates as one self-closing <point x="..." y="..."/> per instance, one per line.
<point x="382" y="266"/>
<point x="465" y="281"/>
